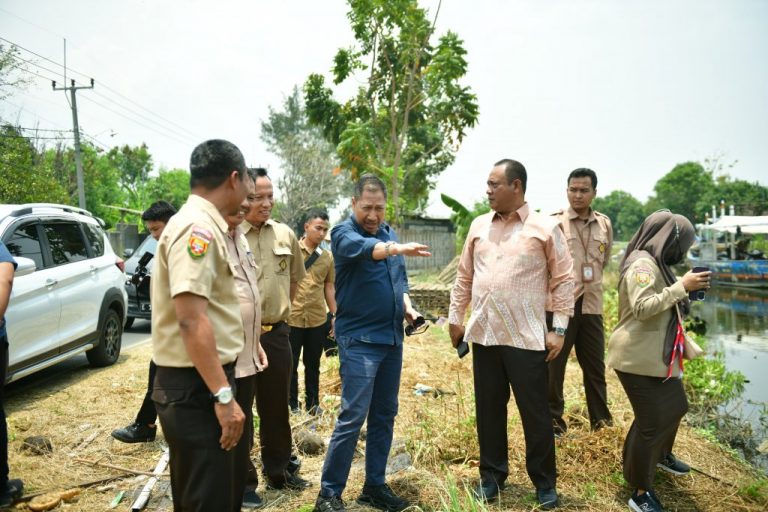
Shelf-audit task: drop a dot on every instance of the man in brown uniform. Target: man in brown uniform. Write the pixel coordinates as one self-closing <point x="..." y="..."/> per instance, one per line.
<point x="315" y="296"/>
<point x="590" y="237"/>
<point x="278" y="255"/>
<point x="252" y="359"/>
<point x="197" y="333"/>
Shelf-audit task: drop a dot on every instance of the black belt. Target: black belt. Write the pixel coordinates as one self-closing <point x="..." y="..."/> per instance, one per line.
<point x="269" y="327"/>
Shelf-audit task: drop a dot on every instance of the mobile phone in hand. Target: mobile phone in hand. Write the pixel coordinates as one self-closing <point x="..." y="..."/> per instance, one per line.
<point x="698" y="294"/>
<point x="462" y="348"/>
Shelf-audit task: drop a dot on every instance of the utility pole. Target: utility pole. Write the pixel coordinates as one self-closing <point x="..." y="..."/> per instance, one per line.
<point x="78" y="157"/>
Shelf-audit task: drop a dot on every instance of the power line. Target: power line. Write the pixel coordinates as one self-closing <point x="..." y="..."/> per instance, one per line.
<point x="105" y="86"/>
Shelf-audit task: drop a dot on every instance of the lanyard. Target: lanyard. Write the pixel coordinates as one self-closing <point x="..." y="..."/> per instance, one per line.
<point x="585" y="243"/>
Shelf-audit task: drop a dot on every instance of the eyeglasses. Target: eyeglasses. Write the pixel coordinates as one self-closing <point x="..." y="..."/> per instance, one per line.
<point x="418" y="326"/>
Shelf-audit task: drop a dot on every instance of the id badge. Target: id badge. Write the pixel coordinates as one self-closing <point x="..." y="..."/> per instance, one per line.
<point x="587" y="273"/>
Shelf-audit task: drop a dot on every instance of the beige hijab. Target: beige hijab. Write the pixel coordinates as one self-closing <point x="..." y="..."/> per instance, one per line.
<point x="664" y="237"/>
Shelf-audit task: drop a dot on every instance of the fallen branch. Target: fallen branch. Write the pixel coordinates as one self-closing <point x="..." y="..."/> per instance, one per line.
<point x="86" y="442"/>
<point x="143" y="497"/>
<point x="83" y="485"/>
<point x="118" y="468"/>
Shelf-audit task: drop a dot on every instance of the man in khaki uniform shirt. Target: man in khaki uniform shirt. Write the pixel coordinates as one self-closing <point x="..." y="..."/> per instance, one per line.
<point x="197" y="333"/>
<point x="315" y="297"/>
<point x="252" y="359"/>
<point x="278" y="255"/>
<point x="590" y="237"/>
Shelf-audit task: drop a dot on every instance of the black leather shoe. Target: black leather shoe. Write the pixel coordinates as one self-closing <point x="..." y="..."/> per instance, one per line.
<point x="291" y="481"/>
<point x="332" y="504"/>
<point x="382" y="498"/>
<point x="14" y="489"/>
<point x="135" y="433"/>
<point x="486" y="491"/>
<point x="251" y="499"/>
<point x="547" y="498"/>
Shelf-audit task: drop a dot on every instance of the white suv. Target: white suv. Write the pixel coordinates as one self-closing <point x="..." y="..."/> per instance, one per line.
<point x="68" y="291"/>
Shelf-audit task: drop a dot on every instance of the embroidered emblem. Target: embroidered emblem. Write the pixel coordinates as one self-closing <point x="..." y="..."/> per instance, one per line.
<point x="283" y="264"/>
<point x="642" y="277"/>
<point x="602" y="248"/>
<point x="198" y="243"/>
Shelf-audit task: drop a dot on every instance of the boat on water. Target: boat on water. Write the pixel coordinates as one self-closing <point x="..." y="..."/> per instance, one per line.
<point x="726" y="247"/>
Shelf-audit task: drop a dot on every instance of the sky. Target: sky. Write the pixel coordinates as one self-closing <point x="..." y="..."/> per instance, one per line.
<point x="629" y="89"/>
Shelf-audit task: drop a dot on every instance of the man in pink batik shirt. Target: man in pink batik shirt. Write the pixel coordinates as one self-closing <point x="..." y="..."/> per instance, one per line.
<point x="512" y="259"/>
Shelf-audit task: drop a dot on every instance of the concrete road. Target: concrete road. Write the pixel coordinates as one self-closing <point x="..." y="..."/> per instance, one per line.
<point x="137" y="335"/>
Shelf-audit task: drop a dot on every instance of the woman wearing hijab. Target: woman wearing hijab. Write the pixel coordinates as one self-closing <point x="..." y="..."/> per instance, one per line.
<point x="645" y="349"/>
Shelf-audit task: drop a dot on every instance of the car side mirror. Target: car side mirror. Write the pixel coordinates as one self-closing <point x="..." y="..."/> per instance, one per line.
<point x="25" y="266"/>
<point x="128" y="253"/>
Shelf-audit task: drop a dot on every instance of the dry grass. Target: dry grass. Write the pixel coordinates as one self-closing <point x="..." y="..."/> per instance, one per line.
<point x="438" y="433"/>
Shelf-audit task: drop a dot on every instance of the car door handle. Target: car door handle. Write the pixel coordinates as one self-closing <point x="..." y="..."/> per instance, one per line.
<point x="51" y="282"/>
<point x="93" y="269"/>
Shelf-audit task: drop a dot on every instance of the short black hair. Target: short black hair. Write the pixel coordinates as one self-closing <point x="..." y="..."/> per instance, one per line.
<point x="258" y="172"/>
<point x="370" y="182"/>
<point x="514" y="170"/>
<point x="316" y="213"/>
<point x="159" y="211"/>
<point x="583" y="172"/>
<point x="213" y="161"/>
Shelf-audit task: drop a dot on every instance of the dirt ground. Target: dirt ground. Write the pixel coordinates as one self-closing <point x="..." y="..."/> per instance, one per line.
<point x="436" y="430"/>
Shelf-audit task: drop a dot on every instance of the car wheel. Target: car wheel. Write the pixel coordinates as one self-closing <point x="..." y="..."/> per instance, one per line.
<point x="108" y="349"/>
<point x="129" y="322"/>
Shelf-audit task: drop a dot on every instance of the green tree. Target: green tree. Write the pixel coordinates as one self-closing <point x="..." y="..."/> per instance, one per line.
<point x="680" y="189"/>
<point x="100" y="176"/>
<point x="133" y="165"/>
<point x="310" y="176"/>
<point x="169" y="185"/>
<point x="407" y="121"/>
<point x="12" y="71"/>
<point x="23" y="178"/>
<point x="462" y="216"/>
<point x="626" y="213"/>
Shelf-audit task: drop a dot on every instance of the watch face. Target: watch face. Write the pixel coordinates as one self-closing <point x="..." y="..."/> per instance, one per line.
<point x="224" y="396"/>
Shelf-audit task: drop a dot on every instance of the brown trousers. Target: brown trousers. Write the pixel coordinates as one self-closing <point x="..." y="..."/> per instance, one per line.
<point x="272" y="390"/>
<point x="658" y="406"/>
<point x="204" y="477"/>
<point x="495" y="370"/>
<point x="585" y="333"/>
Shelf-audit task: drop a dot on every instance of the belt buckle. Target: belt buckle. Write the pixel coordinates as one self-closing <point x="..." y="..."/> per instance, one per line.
<point x="266" y="328"/>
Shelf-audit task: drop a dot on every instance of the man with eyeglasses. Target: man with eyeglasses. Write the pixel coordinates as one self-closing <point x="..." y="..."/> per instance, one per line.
<point x="372" y="302"/>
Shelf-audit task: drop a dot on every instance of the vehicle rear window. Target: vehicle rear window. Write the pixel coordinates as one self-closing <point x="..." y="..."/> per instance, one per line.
<point x="96" y="238"/>
<point x="25" y="243"/>
<point x="66" y="242"/>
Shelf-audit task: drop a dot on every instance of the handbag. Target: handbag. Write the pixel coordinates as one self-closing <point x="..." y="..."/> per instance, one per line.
<point x="691" y="349"/>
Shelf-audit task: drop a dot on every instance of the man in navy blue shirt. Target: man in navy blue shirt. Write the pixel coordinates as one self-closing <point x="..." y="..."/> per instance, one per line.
<point x="372" y="301"/>
<point x="10" y="490"/>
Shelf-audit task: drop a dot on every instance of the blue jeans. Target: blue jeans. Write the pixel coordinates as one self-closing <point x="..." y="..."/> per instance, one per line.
<point x="370" y="382"/>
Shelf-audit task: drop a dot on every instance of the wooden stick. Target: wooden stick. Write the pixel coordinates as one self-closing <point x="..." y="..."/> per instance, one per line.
<point x="82" y="485"/>
<point x="143" y="497"/>
<point x="119" y="468"/>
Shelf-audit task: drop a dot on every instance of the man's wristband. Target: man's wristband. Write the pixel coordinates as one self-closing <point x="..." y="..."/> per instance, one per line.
<point x="560" y="331"/>
<point x="387" y="248"/>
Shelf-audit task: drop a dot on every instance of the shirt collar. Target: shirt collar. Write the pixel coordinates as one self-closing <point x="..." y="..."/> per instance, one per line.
<point x="246" y="226"/>
<point x="208" y="207"/>
<point x="572" y="215"/>
<point x="384" y="227"/>
<point x="521" y="212"/>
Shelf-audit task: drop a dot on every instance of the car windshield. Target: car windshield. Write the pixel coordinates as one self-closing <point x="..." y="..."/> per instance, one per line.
<point x="148" y="245"/>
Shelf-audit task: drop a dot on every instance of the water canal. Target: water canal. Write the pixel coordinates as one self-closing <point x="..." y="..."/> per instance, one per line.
<point x="737" y="327"/>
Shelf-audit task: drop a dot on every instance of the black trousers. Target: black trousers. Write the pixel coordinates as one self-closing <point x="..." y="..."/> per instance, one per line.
<point x="658" y="406"/>
<point x="310" y="339"/>
<point x="495" y="370"/>
<point x="272" y="387"/>
<point x="246" y="392"/>
<point x="4" y="470"/>
<point x="585" y="333"/>
<point x="204" y="477"/>
<point x="147" y="413"/>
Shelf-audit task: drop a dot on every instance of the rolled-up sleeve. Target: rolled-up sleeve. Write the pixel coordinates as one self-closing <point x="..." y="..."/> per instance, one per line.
<point x="346" y="243"/>
<point x="560" y="266"/>
<point x="461" y="294"/>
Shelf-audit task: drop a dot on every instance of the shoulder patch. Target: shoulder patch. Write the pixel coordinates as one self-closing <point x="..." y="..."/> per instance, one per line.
<point x="643" y="276"/>
<point x="199" y="241"/>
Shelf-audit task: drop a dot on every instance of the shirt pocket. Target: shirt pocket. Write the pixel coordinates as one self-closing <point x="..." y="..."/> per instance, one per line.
<point x="282" y="259"/>
<point x="598" y="245"/>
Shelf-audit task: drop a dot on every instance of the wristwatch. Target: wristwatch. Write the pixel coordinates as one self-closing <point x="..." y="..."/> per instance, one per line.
<point x="224" y="395"/>
<point x="560" y="331"/>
